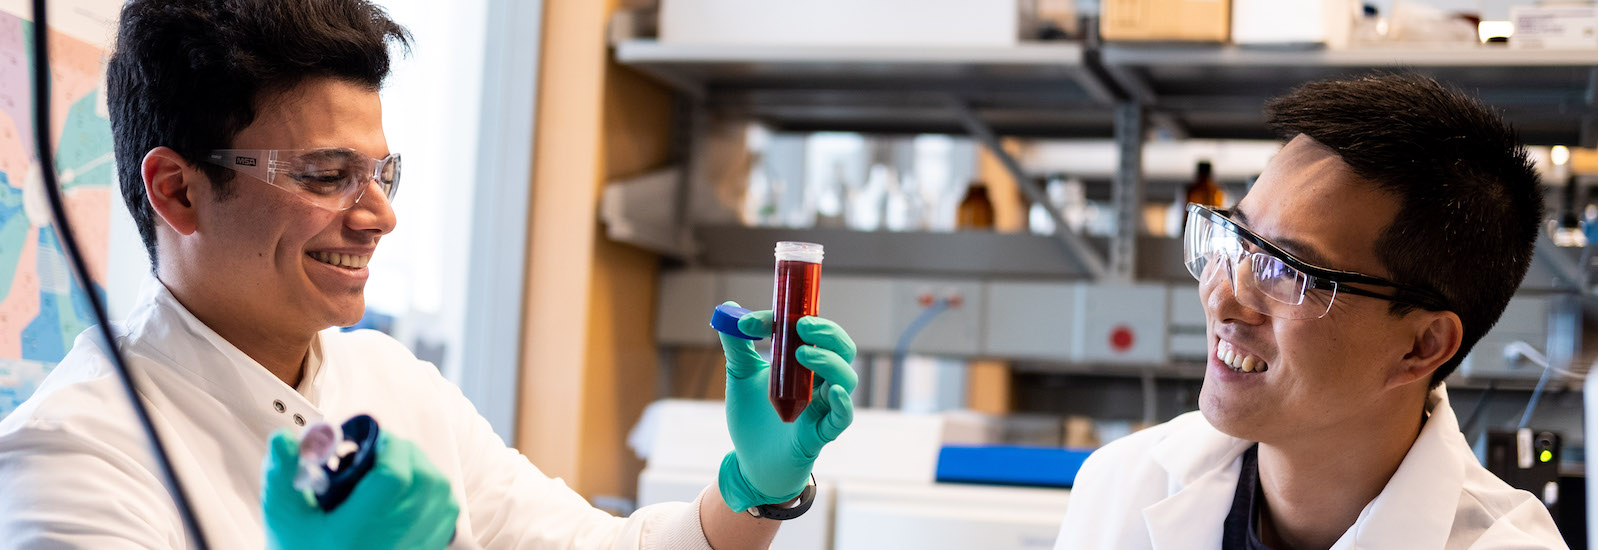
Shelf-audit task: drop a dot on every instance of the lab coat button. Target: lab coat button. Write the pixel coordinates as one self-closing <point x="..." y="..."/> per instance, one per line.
<point x="299" y="420"/>
<point x="278" y="404"/>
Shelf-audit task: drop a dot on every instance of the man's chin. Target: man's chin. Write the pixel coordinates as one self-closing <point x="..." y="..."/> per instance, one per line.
<point x="348" y="314"/>
<point x="1229" y="418"/>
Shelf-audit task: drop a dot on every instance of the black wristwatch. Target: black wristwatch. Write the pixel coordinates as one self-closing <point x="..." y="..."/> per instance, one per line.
<point x="807" y="497"/>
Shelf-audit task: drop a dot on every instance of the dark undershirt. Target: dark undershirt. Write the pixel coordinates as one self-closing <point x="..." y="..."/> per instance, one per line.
<point x="1242" y="525"/>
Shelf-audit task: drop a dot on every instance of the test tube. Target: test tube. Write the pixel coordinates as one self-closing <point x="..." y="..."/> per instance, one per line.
<point x="797" y="294"/>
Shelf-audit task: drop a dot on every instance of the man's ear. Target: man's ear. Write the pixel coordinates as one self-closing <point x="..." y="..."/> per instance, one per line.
<point x="1435" y="340"/>
<point x="172" y="187"/>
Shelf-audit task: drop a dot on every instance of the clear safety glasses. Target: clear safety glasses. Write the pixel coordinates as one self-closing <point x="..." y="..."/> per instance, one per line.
<point x="1267" y="279"/>
<point x="335" y="179"/>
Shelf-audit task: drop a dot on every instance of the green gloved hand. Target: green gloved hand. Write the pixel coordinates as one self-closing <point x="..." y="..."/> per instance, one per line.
<point x="771" y="459"/>
<point x="403" y="502"/>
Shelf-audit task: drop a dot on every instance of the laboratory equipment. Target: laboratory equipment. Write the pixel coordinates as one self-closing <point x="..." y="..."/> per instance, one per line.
<point x="682" y="443"/>
<point x="340" y="478"/>
<point x="976" y="209"/>
<point x="796" y="294"/>
<point x="1014" y="465"/>
<point x="1526" y="459"/>
<point x="318" y="444"/>
<point x="1204" y="190"/>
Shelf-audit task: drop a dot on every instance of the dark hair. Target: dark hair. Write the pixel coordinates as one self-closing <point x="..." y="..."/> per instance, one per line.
<point x="191" y="74"/>
<point x="1469" y="198"/>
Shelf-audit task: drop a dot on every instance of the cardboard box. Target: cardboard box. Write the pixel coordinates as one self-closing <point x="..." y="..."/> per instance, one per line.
<point x="1554" y="27"/>
<point x="1300" y="23"/>
<point x="1166" y="20"/>
<point x="841" y="22"/>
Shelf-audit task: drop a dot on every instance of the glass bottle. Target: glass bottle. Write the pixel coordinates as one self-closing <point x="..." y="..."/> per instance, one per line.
<point x="976" y="209"/>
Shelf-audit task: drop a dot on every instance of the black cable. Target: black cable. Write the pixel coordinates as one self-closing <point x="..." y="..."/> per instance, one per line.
<point x="41" y="134"/>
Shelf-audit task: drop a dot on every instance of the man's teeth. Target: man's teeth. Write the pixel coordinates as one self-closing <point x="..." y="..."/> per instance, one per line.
<point x="350" y="261"/>
<point x="1238" y="361"/>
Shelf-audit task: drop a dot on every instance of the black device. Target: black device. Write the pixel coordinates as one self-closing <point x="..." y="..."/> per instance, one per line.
<point x="1527" y="459"/>
<point x="362" y="431"/>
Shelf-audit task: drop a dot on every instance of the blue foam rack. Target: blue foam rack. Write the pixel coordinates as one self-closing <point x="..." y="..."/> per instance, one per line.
<point x="1010" y="465"/>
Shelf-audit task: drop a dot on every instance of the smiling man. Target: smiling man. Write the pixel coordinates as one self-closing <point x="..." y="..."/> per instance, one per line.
<point x="1375" y="250"/>
<point x="252" y="156"/>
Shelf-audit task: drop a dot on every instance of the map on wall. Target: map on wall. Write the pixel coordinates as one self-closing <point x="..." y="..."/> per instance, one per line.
<point x="42" y="310"/>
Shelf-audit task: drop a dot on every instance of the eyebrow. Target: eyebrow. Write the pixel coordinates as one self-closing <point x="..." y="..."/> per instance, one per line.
<point x="340" y="153"/>
<point x="1297" y="248"/>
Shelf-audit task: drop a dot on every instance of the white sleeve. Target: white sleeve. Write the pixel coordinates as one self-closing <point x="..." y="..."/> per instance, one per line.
<point x="513" y="505"/>
<point x="60" y="491"/>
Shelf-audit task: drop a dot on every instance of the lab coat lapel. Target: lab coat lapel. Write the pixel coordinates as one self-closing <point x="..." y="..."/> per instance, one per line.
<point x="1202" y="467"/>
<point x="1416" y="509"/>
<point x="163" y="328"/>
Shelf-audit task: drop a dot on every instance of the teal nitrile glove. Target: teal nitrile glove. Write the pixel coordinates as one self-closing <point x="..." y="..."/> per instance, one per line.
<point x="403" y="502"/>
<point x="771" y="459"/>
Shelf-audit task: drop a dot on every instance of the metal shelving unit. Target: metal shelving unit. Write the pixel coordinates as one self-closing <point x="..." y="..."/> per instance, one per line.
<point x="1033" y="89"/>
<point x="1041" y="89"/>
<point x="1551" y="96"/>
<point x="1068" y="89"/>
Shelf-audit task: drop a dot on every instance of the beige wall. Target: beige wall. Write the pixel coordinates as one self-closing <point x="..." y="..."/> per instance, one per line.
<point x="589" y="362"/>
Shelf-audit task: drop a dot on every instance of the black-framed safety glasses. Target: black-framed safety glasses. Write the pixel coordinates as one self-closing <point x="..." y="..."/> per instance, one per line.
<point x="1270" y="280"/>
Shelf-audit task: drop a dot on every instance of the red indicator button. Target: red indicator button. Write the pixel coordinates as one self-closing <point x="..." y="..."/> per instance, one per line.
<point x="1122" y="338"/>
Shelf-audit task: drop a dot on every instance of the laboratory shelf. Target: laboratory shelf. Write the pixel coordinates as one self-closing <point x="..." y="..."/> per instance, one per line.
<point x="990" y="255"/>
<point x="1384" y="56"/>
<point x="1219" y="91"/>
<point x="1024" y="89"/>
<point x="967" y="254"/>
<point x="1063" y="89"/>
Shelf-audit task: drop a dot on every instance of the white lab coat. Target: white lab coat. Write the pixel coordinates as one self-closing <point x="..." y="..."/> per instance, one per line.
<point x="1170" y="487"/>
<point x="76" y="470"/>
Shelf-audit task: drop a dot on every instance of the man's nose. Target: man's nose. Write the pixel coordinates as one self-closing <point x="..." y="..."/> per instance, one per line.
<point x="372" y="212"/>
<point x="1219" y="290"/>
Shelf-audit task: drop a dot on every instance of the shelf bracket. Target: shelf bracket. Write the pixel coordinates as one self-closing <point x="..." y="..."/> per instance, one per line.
<point x="1128" y="193"/>
<point x="1134" y="88"/>
<point x="1075" y="247"/>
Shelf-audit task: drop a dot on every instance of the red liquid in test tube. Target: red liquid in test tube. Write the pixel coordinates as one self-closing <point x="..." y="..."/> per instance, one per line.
<point x="797" y="294"/>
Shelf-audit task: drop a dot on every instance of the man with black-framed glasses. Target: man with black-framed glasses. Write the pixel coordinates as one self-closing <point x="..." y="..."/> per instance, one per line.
<point x="1375" y="250"/>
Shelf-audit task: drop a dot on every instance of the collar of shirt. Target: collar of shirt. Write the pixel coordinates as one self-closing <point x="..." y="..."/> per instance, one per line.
<point x="1415" y="510"/>
<point x="161" y="328"/>
<point x="1417" y="506"/>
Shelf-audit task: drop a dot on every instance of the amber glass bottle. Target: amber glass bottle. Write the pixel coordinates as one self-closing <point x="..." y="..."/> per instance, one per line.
<point x="976" y="209"/>
<point x="1204" y="190"/>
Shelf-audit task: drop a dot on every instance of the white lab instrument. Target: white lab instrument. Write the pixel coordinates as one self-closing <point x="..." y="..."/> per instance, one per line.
<point x="876" y="484"/>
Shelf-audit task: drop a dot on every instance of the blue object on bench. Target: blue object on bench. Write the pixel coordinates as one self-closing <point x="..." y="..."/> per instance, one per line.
<point x="1010" y="465"/>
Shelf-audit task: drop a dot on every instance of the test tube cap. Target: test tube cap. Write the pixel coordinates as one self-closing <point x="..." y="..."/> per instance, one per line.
<point x="725" y="320"/>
